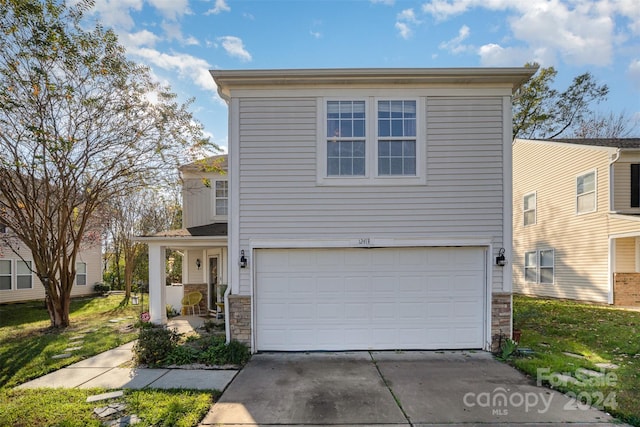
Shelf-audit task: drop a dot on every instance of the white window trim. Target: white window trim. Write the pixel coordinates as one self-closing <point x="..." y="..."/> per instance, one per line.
<point x="553" y="267"/>
<point x="535" y="209"/>
<point x="79" y="274"/>
<point x="213" y="199"/>
<point x="16" y="275"/>
<point x="595" y="191"/>
<point x="371" y="144"/>
<point x="10" y="275"/>
<point x="538" y="266"/>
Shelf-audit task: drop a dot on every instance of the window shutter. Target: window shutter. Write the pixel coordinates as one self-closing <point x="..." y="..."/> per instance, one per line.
<point x="635" y="185"/>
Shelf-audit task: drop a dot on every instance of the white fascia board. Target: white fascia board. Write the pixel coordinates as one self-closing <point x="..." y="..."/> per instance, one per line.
<point x="368" y="242"/>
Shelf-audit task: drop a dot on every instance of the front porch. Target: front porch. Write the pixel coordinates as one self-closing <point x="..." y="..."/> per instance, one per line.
<point x="625" y="275"/>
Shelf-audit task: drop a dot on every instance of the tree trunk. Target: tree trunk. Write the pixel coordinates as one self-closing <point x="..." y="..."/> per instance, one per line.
<point x="58" y="311"/>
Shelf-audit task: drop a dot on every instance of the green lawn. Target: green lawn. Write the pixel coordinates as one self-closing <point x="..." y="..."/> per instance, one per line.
<point x="599" y="334"/>
<point x="27" y="344"/>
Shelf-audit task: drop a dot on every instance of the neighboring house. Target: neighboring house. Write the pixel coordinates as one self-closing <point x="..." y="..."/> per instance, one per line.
<point x="18" y="283"/>
<point x="576" y="205"/>
<point x="202" y="242"/>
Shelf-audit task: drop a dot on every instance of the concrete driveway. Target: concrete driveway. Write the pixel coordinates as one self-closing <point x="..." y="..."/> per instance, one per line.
<point x="391" y="389"/>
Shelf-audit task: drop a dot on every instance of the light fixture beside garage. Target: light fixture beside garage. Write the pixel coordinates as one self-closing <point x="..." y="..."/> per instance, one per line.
<point x="243" y="259"/>
<point x="198" y="263"/>
<point x="500" y="259"/>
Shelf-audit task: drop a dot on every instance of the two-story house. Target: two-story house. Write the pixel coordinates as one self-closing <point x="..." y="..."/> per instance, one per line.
<point x="577" y="219"/>
<point x="202" y="242"/>
<point x="369" y="208"/>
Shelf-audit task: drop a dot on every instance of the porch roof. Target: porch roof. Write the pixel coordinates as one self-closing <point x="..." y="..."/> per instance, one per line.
<point x="217" y="231"/>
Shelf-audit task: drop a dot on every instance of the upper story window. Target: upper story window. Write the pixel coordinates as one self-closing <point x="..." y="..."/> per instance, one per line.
<point x="372" y="140"/>
<point x="529" y="209"/>
<point x="586" y="193"/>
<point x="220" y="197"/>
<point x="81" y="273"/>
<point x="635" y="185"/>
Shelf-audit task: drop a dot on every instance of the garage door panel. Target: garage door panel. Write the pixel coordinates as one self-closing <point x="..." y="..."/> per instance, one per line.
<point x="356" y="299"/>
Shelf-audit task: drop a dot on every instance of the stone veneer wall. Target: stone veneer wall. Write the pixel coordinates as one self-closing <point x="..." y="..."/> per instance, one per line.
<point x="626" y="289"/>
<point x="240" y="318"/>
<point x="202" y="288"/>
<point x="500" y="318"/>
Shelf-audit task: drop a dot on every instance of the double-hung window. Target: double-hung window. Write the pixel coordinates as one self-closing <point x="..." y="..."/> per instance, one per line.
<point x="529" y="209"/>
<point x="220" y="196"/>
<point x="586" y="193"/>
<point x="81" y="273"/>
<point x="372" y="140"/>
<point x="539" y="266"/>
<point x="6" y="274"/>
<point x="24" y="277"/>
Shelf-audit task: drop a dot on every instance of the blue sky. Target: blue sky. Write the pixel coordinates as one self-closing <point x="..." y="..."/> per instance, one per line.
<point x="182" y="39"/>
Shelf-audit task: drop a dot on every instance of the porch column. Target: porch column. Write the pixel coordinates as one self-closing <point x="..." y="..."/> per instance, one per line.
<point x="157" y="291"/>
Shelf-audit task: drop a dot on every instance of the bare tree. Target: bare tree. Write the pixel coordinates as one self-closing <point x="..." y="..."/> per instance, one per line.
<point x="80" y="125"/>
<point x="597" y="125"/>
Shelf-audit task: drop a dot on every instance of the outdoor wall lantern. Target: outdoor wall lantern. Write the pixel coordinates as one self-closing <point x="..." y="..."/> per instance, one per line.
<point x="198" y="263"/>
<point x="243" y="259"/>
<point x="500" y="259"/>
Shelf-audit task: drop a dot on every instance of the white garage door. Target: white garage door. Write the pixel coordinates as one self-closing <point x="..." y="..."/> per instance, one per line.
<point x="359" y="299"/>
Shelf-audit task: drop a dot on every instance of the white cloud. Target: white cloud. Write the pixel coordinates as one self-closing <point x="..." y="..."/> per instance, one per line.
<point x="219" y="7"/>
<point x="581" y="32"/>
<point x="455" y="44"/>
<point x="494" y="55"/>
<point x="141" y="38"/>
<point x="187" y="66"/>
<point x="405" y="21"/>
<point x="115" y="13"/>
<point x="171" y="9"/>
<point x="633" y="71"/>
<point x="315" y="34"/>
<point x="235" y="47"/>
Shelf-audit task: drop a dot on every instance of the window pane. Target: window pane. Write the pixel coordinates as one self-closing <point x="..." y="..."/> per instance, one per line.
<point x="23" y="267"/>
<point x="358" y="109"/>
<point x="5" y="266"/>
<point x="81" y="268"/>
<point x="333" y="166"/>
<point x="529" y="218"/>
<point x="397" y="128"/>
<point x="5" y="283"/>
<point x="384" y="166"/>
<point x="410" y="109"/>
<point x="221" y="207"/>
<point x="333" y="109"/>
<point x="346" y="129"/>
<point x="396" y="109"/>
<point x="358" y="149"/>
<point x="529" y="202"/>
<point x="530" y="274"/>
<point x="81" y="279"/>
<point x="546" y="258"/>
<point x="333" y="128"/>
<point x="409" y="148"/>
<point x="358" y="166"/>
<point x="384" y="128"/>
<point x="587" y="202"/>
<point x="333" y="149"/>
<point x="530" y="259"/>
<point x="346" y="166"/>
<point x="358" y="128"/>
<point x="384" y="109"/>
<point x="546" y="275"/>
<point x="23" y="282"/>
<point x="586" y="183"/>
<point x="410" y="166"/>
<point x="396" y="149"/>
<point x="396" y="166"/>
<point x="410" y="127"/>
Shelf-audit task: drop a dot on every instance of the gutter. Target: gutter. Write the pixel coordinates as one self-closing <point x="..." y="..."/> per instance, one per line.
<point x="611" y="252"/>
<point x="227" y="331"/>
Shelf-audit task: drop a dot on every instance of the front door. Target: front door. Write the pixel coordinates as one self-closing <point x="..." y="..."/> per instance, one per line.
<point x="213" y="282"/>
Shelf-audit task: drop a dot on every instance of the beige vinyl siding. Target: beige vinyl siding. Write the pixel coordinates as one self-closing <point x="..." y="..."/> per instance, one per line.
<point x="622" y="183"/>
<point x="197" y="200"/>
<point x="625" y="254"/>
<point x="280" y="198"/>
<point x="92" y="256"/>
<point x="195" y="275"/>
<point x="580" y="241"/>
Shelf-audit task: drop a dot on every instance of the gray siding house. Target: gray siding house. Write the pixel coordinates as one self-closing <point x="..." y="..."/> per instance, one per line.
<point x="367" y="208"/>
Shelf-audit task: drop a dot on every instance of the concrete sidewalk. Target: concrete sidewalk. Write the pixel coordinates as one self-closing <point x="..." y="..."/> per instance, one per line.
<point x="104" y="370"/>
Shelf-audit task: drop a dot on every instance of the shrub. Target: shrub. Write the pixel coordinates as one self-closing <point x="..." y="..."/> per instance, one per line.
<point x="217" y="352"/>
<point x="101" y="288"/>
<point x="154" y="345"/>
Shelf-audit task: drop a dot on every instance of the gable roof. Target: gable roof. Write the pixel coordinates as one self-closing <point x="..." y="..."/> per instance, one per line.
<point x="209" y="164"/>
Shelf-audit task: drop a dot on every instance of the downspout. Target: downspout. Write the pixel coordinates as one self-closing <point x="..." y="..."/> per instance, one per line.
<point x="612" y="242"/>
<point x="227" y="331"/>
